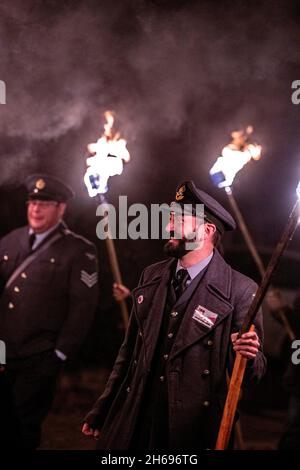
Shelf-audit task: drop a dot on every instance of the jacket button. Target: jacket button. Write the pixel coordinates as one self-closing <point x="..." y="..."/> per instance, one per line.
<point x="52" y="260"/>
<point x="24" y="275"/>
<point x="166" y="356"/>
<point x="162" y="378"/>
<point x="210" y="342"/>
<point x="5" y="257"/>
<point x="206" y="372"/>
<point x="206" y="403"/>
<point x="174" y="314"/>
<point x="16" y="289"/>
<point x="128" y="389"/>
<point x="170" y="335"/>
<point x="11" y="305"/>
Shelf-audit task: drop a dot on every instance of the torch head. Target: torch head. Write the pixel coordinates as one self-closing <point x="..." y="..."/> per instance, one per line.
<point x="234" y="157"/>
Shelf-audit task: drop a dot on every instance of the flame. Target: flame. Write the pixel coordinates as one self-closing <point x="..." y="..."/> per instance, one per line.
<point x="108" y="154"/>
<point x="234" y="157"/>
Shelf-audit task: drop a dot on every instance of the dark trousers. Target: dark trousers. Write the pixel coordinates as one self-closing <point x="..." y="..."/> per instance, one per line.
<point x="10" y="437"/>
<point x="33" y="381"/>
<point x="291" y="438"/>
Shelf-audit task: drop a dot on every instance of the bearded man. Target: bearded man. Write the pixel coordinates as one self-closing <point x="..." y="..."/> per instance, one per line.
<point x="168" y="386"/>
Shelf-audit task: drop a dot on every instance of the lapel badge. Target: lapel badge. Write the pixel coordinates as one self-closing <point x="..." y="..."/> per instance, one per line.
<point x="140" y="299"/>
<point x="180" y="193"/>
<point x="204" y="316"/>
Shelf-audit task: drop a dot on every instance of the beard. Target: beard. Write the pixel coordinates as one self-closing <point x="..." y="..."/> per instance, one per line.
<point x="176" y="248"/>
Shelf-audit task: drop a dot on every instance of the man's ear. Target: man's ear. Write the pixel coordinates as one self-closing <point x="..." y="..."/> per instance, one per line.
<point x="209" y="230"/>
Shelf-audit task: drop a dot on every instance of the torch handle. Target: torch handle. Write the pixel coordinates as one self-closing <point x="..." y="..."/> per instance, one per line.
<point x="113" y="260"/>
<point x="231" y="400"/>
<point x="286" y="237"/>
<point x="240" y="362"/>
<point x="245" y="231"/>
<point x="255" y="255"/>
<point x="116" y="275"/>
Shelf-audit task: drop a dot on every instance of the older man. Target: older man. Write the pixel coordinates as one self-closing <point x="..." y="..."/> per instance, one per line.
<point x="168" y="386"/>
<point x="49" y="294"/>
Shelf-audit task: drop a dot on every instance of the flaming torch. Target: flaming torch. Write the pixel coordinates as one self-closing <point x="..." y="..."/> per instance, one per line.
<point x="106" y="160"/>
<point x="234" y="157"/>
<point x="241" y="362"/>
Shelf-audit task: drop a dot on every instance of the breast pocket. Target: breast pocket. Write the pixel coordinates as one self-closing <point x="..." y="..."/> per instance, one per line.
<point x="44" y="271"/>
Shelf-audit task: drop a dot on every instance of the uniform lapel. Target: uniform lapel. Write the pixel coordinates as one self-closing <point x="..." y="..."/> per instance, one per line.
<point x="212" y="293"/>
<point x="149" y="303"/>
<point x="23" y="249"/>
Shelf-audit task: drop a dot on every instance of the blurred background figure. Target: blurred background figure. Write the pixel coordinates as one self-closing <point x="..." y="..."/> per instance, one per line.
<point x="49" y="281"/>
<point x="10" y="427"/>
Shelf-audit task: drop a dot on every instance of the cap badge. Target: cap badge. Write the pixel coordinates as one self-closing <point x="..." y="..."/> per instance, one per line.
<point x="40" y="184"/>
<point x="179" y="193"/>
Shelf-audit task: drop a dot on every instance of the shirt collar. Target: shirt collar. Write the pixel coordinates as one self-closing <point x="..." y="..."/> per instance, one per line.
<point x="39" y="237"/>
<point x="196" y="268"/>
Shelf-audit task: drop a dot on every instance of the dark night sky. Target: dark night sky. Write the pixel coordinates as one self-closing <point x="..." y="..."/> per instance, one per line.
<point x="180" y="75"/>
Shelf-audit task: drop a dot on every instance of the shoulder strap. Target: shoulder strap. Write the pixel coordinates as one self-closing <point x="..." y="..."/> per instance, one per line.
<point x="27" y="261"/>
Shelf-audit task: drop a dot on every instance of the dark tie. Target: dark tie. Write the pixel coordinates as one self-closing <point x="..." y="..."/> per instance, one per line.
<point x="181" y="278"/>
<point x="32" y="238"/>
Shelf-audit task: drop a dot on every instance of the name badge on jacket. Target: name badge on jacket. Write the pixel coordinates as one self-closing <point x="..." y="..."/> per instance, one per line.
<point x="205" y="316"/>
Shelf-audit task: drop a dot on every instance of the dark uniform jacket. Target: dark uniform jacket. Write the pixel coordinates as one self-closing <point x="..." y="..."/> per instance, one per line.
<point x="196" y="366"/>
<point x="52" y="302"/>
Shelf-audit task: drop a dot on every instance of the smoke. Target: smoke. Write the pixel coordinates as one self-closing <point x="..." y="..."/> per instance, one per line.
<point x="163" y="67"/>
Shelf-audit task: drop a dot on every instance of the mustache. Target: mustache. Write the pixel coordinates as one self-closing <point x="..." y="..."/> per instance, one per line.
<point x="179" y="236"/>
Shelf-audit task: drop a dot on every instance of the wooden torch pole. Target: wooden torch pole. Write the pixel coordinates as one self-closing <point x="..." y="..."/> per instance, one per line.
<point x="255" y="255"/>
<point x="245" y="231"/>
<point x="113" y="261"/>
<point x="240" y="362"/>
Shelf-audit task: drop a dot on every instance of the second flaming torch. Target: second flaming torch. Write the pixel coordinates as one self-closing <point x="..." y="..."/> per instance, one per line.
<point x="106" y="160"/>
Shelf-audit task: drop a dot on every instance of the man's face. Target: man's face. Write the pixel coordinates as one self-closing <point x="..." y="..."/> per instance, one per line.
<point x="186" y="234"/>
<point x="42" y="215"/>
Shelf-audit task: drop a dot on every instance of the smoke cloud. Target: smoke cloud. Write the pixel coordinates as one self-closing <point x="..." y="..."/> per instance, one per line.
<point x="187" y="71"/>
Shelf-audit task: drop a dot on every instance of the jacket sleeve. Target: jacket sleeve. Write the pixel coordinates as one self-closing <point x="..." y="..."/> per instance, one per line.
<point x="83" y="297"/>
<point x="96" y="417"/>
<point x="255" y="367"/>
